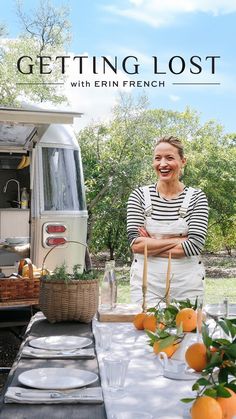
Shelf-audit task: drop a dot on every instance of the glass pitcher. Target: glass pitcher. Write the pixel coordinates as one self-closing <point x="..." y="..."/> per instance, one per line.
<point x="109" y="287"/>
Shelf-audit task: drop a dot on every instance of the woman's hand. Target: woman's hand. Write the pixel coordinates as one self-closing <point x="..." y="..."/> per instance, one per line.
<point x="158" y="247"/>
<point x="143" y="232"/>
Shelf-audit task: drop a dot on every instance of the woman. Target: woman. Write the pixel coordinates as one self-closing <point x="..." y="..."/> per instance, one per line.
<point x="169" y="217"/>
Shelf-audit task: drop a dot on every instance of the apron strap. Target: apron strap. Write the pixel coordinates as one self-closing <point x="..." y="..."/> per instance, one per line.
<point x="147" y="201"/>
<point x="184" y="207"/>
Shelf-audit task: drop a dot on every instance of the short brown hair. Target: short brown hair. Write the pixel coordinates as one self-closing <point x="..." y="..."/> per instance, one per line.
<point x="172" y="141"/>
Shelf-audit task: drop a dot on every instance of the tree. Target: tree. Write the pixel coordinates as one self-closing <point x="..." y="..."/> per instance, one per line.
<point x="212" y="167"/>
<point x="111" y="166"/>
<point x="46" y="31"/>
<point x="48" y="24"/>
<point x="117" y="158"/>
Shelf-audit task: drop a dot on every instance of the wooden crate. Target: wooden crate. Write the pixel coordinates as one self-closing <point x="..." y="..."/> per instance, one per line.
<point x="121" y="313"/>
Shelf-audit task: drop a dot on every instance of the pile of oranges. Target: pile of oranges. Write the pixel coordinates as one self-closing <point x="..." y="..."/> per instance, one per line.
<point x="186" y="317"/>
<point x="196" y="356"/>
<point x="145" y="321"/>
<point x="206" y="407"/>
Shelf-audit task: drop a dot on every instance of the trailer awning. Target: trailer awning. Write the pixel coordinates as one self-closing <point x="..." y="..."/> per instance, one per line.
<point x="19" y="127"/>
<point x="25" y="116"/>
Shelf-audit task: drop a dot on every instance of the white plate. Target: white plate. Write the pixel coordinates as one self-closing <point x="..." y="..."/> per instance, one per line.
<point x="60" y="343"/>
<point x="184" y="375"/>
<point x="57" y="378"/>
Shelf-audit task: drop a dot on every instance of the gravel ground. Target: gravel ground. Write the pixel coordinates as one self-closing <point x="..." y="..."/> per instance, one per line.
<point x="9" y="345"/>
<point x="11" y="337"/>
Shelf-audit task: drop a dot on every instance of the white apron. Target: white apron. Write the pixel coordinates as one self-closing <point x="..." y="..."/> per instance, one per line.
<point x="187" y="273"/>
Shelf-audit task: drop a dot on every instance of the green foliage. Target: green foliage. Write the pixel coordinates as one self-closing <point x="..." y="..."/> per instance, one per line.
<point x="61" y="273"/>
<point x="77" y="274"/>
<point x="165" y="337"/>
<point x="45" y="32"/>
<point x="220" y="371"/>
<point x="167" y="314"/>
<point x="112" y="158"/>
<point x="117" y="158"/>
<point x="47" y="23"/>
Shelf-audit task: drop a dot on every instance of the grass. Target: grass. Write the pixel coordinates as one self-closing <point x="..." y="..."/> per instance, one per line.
<point x="218" y="288"/>
<point x="215" y="290"/>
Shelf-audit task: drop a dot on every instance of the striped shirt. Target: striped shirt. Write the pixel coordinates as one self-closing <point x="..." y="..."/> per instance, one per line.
<point x="168" y="210"/>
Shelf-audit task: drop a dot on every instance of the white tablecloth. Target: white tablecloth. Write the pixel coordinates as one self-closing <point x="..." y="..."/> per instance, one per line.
<point x="145" y="387"/>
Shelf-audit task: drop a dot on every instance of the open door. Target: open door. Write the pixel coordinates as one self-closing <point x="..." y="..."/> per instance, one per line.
<point x="21" y="128"/>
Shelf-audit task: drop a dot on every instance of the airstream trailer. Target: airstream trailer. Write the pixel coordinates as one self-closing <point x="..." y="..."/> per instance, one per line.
<point x="40" y="155"/>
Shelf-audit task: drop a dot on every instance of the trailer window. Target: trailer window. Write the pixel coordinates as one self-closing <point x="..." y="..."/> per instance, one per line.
<point x="63" y="183"/>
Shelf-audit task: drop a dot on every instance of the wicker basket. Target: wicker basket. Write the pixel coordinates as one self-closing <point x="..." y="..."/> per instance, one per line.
<point x="17" y="287"/>
<point x="73" y="300"/>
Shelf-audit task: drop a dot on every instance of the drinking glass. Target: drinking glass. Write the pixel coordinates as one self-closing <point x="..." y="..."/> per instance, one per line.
<point x="215" y="311"/>
<point x="199" y="318"/>
<point x="103" y="336"/>
<point x="115" y="368"/>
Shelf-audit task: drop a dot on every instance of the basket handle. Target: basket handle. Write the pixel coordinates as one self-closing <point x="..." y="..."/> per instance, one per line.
<point x="24" y="262"/>
<point x="59" y="244"/>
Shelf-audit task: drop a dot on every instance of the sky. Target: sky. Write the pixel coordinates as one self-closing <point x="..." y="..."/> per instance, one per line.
<point x="171" y="31"/>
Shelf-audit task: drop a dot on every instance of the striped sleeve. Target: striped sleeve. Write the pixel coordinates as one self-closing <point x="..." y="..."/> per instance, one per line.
<point x="197" y="223"/>
<point x="135" y="214"/>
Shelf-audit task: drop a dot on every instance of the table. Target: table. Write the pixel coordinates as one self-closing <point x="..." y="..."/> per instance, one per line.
<point x="145" y="388"/>
<point x="38" y="327"/>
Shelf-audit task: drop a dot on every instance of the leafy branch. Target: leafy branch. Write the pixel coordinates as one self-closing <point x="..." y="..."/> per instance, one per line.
<point x="219" y="374"/>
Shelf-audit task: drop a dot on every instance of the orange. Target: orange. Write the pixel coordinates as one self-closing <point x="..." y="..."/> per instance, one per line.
<point x="138" y="321"/>
<point x="228" y="405"/>
<point x="188" y="318"/>
<point x="161" y="326"/>
<point x="196" y="356"/>
<point x="206" y="407"/>
<point x="169" y="350"/>
<point x="150" y="322"/>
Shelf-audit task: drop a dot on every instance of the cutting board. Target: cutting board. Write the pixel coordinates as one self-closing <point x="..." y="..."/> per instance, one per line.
<point x="121" y="313"/>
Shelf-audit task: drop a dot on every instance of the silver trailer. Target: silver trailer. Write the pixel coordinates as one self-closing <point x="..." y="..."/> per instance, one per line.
<point x="39" y="152"/>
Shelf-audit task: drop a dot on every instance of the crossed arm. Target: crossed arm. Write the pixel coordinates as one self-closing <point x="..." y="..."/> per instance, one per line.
<point x="190" y="245"/>
<point x="158" y="247"/>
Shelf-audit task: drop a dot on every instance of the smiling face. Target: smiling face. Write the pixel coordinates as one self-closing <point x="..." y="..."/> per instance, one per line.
<point x="167" y="162"/>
